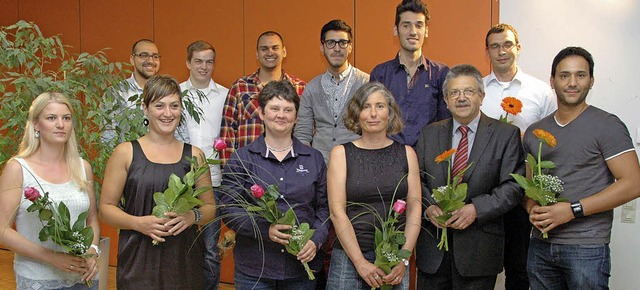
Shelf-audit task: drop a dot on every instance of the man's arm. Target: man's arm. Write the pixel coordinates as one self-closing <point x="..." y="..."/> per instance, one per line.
<point x="304" y="126"/>
<point x="229" y="124"/>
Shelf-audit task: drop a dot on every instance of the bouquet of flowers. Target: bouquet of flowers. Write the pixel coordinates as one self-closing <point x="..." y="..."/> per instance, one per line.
<point x="450" y="197"/>
<point x="56" y="224"/>
<point x="510" y="105"/>
<point x="267" y="208"/>
<point x="388" y="241"/>
<point x="541" y="187"/>
<point x="181" y="196"/>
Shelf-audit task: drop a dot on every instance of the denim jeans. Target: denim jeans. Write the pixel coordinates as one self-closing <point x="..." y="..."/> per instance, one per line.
<point x="211" y="234"/>
<point x="344" y="276"/>
<point x="246" y="282"/>
<point x="558" y="266"/>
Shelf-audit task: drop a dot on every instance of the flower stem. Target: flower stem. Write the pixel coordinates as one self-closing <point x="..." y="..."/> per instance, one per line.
<point x="539" y="158"/>
<point x="309" y="272"/>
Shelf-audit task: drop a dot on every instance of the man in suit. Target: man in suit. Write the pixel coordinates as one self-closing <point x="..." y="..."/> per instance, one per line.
<point x="493" y="150"/>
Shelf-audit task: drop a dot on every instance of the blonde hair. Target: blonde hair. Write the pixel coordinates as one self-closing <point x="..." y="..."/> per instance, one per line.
<point x="30" y="143"/>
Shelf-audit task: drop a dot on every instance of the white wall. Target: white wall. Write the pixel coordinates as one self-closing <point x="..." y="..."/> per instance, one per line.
<point x="610" y="30"/>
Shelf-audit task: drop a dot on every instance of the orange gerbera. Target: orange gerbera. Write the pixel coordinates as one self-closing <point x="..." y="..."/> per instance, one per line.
<point x="445" y="155"/>
<point x="511" y="105"/>
<point x="545" y="137"/>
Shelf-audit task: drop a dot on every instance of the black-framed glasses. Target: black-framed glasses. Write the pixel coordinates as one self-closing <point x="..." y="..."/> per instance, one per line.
<point x="331" y="43"/>
<point x="145" y="56"/>
<point x="506" y="46"/>
<point x="454" y="94"/>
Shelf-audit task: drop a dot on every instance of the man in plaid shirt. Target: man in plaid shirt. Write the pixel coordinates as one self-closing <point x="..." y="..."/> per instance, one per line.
<point x="240" y="122"/>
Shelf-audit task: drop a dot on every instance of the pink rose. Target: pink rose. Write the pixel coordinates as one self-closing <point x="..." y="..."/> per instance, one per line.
<point x="399" y="206"/>
<point x="219" y="144"/>
<point x="31" y="193"/>
<point x="257" y="191"/>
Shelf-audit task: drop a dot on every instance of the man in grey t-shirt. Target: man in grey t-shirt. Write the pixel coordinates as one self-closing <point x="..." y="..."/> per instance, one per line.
<point x="597" y="162"/>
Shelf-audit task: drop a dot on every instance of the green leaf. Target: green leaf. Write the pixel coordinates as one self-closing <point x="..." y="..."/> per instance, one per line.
<point x="63" y="214"/>
<point x="44" y="234"/>
<point x="45" y="214"/>
<point x="160" y="210"/>
<point x="81" y="221"/>
<point x="182" y="206"/>
<point x="521" y="180"/>
<point x="273" y="191"/>
<point x="547" y="164"/>
<point x="531" y="161"/>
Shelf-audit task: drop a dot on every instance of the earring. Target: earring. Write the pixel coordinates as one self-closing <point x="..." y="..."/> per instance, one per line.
<point x="37" y="134"/>
<point x="145" y="122"/>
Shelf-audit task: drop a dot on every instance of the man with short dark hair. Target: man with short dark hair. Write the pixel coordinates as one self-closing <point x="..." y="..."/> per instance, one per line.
<point x="240" y="122"/>
<point x="597" y="163"/>
<point x="209" y="97"/>
<point x="415" y="81"/>
<point x="508" y="80"/>
<point x="492" y="150"/>
<point x="325" y="98"/>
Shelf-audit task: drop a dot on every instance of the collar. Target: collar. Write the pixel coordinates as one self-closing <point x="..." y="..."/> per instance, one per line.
<point x="473" y="125"/>
<point x="259" y="146"/>
<point x="133" y="84"/>
<point x="400" y="65"/>
<point x="254" y="77"/>
<point x="341" y="76"/>
<point x="212" y="87"/>
<point x="519" y="75"/>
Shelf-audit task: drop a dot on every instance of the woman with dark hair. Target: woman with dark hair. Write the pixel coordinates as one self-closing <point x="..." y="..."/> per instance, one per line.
<point x="48" y="160"/>
<point x="373" y="171"/>
<point x="135" y="171"/>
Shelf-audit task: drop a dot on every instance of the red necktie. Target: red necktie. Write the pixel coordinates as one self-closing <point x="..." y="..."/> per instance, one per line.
<point x="461" y="158"/>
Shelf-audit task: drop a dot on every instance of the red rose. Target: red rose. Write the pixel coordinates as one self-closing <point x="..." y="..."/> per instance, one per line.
<point x="257" y="191"/>
<point x="31" y="193"/>
<point x="399" y="206"/>
<point x="219" y="144"/>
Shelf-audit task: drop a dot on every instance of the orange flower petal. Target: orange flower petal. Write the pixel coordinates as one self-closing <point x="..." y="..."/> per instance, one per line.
<point x="545" y="137"/>
<point x="445" y="155"/>
<point x="511" y="105"/>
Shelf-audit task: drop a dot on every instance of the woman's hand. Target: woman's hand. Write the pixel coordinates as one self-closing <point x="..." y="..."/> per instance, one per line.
<point x="276" y="235"/>
<point x="396" y="275"/>
<point x="370" y="273"/>
<point x="308" y="252"/>
<point x="92" y="266"/>
<point x="153" y="227"/>
<point x="68" y="263"/>
<point x="179" y="222"/>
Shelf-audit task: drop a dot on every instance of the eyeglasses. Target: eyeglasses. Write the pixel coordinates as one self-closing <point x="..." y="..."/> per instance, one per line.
<point x="330" y="43"/>
<point x="146" y="56"/>
<point x="506" y="46"/>
<point x="467" y="93"/>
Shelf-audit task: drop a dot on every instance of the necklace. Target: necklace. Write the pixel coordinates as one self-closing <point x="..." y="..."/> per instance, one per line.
<point x="279" y="150"/>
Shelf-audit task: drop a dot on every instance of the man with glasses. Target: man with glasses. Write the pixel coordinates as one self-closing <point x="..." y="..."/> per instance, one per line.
<point x="414" y="80"/>
<point x="324" y="100"/>
<point x="240" y="122"/>
<point x="208" y="96"/>
<point x="492" y="150"/>
<point x="508" y="80"/>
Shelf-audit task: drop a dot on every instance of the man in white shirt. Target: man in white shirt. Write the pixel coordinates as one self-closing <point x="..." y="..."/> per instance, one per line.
<point x="538" y="101"/>
<point x="209" y="97"/>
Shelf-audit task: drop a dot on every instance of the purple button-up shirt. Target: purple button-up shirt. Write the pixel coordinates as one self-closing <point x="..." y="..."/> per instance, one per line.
<point x="421" y="105"/>
<point x="302" y="180"/>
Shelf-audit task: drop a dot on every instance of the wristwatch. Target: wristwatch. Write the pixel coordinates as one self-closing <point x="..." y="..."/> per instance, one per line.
<point x="405" y="262"/>
<point x="198" y="214"/>
<point x="576" y="207"/>
<point x="97" y="249"/>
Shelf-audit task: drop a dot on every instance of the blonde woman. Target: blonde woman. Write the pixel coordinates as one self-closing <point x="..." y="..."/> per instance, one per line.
<point x="48" y="160"/>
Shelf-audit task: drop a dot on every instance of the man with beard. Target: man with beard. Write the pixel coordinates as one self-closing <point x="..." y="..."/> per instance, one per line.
<point x="324" y="100"/>
<point x="240" y="121"/>
<point x="596" y="161"/>
<point x="209" y="96"/>
<point x="415" y="81"/>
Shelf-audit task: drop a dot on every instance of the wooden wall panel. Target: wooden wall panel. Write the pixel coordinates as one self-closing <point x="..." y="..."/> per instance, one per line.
<point x="375" y="42"/>
<point x="9" y="12"/>
<point x="115" y="24"/>
<point x="299" y="24"/>
<point x="217" y="22"/>
<point x="64" y="21"/>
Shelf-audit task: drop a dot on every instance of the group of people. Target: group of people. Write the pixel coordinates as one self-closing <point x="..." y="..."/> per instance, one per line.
<point x="344" y="140"/>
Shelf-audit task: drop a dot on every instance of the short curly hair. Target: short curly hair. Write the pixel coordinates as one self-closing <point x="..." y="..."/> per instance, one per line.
<point x="354" y="108"/>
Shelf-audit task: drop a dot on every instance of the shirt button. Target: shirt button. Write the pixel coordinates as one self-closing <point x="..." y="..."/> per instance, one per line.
<point x="281" y="250"/>
<point x="335" y="125"/>
<point x="334" y="139"/>
<point x="281" y="179"/>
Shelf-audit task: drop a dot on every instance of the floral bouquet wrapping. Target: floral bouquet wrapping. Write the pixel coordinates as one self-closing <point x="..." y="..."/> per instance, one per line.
<point x="450" y="197"/>
<point x="389" y="240"/>
<point x="56" y="221"/>
<point x="510" y="105"/>
<point x="541" y="187"/>
<point x="267" y="207"/>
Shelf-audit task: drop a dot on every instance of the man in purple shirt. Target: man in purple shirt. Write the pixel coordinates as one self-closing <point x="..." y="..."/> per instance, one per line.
<point x="415" y="81"/>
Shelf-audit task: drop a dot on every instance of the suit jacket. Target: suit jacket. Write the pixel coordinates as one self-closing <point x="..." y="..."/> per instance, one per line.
<point x="497" y="151"/>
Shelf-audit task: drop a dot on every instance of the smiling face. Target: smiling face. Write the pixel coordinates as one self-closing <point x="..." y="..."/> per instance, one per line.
<point x="54" y="123"/>
<point x="463" y="98"/>
<point x="411" y="31"/>
<point x="572" y="81"/>
<point x="270" y="52"/>
<point x="164" y="114"/>
<point x="278" y="116"/>
<point x="374" y="117"/>
<point x="145" y="68"/>
<point x="201" y="66"/>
